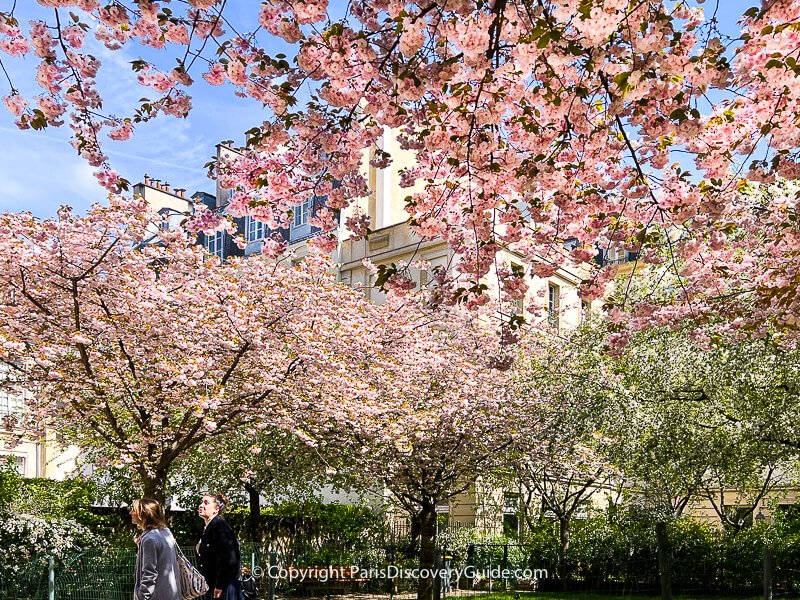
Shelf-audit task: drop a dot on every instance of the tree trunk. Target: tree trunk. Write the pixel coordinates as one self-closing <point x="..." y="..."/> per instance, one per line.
<point x="563" y="540"/>
<point x="664" y="560"/>
<point x="155" y="487"/>
<point x="768" y="559"/>
<point x="427" y="551"/>
<point x="415" y="528"/>
<point x="255" y="511"/>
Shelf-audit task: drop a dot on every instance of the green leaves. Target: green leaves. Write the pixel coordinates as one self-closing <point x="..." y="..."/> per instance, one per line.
<point x="39" y="120"/>
<point x="585" y="8"/>
<point x="384" y="273"/>
<point x="683" y="114"/>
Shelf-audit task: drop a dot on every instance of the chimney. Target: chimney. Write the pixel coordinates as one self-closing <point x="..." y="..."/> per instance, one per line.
<point x="166" y="186"/>
<point x="156" y="183"/>
<point x="180" y="192"/>
<point x="146" y="179"/>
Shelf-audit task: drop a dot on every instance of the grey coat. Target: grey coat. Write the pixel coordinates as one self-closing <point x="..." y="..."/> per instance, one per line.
<point x="157" y="576"/>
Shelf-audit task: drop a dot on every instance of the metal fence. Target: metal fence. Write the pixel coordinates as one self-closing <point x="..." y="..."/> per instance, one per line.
<point x="390" y="572"/>
<point x="518" y="568"/>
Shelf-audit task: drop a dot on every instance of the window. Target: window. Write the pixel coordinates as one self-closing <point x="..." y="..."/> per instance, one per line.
<point x="255" y="229"/>
<point x="586" y="310"/>
<point x="164" y="223"/>
<point x="511" y="525"/>
<point x="215" y="243"/>
<point x="616" y="256"/>
<point x="510" y="503"/>
<point x="11" y="404"/>
<point x="518" y="270"/>
<point x="300" y="226"/>
<point x="553" y="304"/>
<point x="302" y="212"/>
<point x="19" y="462"/>
<point x="511" y="515"/>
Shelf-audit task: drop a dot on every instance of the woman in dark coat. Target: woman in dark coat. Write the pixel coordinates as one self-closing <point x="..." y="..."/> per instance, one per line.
<point x="218" y="551"/>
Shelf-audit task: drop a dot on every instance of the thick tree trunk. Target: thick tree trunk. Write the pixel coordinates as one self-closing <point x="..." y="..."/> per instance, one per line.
<point x="664" y="560"/>
<point x="427" y="551"/>
<point x="255" y="511"/>
<point x="563" y="540"/>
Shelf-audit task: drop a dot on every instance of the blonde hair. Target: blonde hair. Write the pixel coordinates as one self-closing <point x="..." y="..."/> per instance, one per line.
<point x="150" y="514"/>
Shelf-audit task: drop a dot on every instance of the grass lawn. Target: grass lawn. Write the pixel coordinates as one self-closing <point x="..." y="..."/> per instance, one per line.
<point x="598" y="596"/>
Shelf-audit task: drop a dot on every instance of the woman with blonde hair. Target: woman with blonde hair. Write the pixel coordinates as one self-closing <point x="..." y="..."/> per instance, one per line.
<point x="156" y="576"/>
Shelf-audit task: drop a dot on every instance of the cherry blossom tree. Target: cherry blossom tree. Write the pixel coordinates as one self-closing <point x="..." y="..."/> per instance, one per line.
<point x="736" y="280"/>
<point x="138" y="346"/>
<point x="531" y="123"/>
<point x="428" y="416"/>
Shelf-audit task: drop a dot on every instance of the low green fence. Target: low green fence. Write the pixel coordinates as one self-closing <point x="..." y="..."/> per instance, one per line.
<point x="105" y="574"/>
<point x="388" y="573"/>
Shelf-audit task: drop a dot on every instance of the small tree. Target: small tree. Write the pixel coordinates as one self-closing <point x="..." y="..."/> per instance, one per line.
<point x="430" y="415"/>
<point x="573" y="379"/>
<point x="263" y="462"/>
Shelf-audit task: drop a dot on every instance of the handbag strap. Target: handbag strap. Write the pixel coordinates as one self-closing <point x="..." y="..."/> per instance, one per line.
<point x="178" y="550"/>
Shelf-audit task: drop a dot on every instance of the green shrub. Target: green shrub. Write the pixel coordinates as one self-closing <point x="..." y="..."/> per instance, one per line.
<point x="28" y="542"/>
<point x="598" y="549"/>
<point x="542" y="542"/>
<point x="10" y="482"/>
<point x="311" y="533"/>
<point x="50" y="500"/>
<point x="695" y="553"/>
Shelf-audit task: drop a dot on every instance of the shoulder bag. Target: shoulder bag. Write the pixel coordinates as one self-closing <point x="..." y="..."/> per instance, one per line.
<point x="193" y="583"/>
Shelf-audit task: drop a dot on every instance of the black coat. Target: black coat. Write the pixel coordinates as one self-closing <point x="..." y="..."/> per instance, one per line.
<point x="219" y="559"/>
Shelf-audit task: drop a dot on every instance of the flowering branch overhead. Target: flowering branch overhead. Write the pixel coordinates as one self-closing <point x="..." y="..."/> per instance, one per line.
<point x="530" y="122"/>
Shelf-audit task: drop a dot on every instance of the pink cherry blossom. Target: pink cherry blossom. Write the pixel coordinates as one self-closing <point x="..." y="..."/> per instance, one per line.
<point x="122" y="132"/>
<point x="15" y="104"/>
<point x="215" y="74"/>
<point x="15" y="47"/>
<point x="116" y="334"/>
<point x="73" y="36"/>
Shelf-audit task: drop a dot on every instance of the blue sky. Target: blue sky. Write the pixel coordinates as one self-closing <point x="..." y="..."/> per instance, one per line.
<point x="40" y="171"/>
